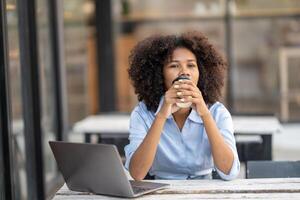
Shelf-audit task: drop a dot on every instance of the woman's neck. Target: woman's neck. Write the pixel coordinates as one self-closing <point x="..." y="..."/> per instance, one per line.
<point x="180" y="116"/>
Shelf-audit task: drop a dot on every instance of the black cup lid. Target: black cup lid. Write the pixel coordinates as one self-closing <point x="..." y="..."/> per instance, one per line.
<point x="181" y="77"/>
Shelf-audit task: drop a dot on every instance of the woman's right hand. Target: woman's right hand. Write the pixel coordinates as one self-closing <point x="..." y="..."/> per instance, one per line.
<point x="169" y="106"/>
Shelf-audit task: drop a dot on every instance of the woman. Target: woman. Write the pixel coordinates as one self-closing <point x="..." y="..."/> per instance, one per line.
<point x="166" y="140"/>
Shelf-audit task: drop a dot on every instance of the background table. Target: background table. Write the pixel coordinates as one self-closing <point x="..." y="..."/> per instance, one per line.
<point x="117" y="126"/>
<point x="288" y="188"/>
<point x="263" y="127"/>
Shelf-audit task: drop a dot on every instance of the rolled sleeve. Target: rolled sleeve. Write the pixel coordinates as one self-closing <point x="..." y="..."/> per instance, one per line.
<point x="137" y="133"/>
<point x="225" y="125"/>
<point x="234" y="171"/>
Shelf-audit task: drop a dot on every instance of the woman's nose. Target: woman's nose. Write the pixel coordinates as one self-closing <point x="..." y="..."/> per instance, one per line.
<point x="185" y="71"/>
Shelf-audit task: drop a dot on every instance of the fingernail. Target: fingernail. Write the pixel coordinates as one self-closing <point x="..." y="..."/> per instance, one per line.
<point x="179" y="93"/>
<point x="176" y="86"/>
<point x="182" y="100"/>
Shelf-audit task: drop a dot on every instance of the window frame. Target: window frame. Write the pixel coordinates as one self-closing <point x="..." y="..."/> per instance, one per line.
<point x="5" y="120"/>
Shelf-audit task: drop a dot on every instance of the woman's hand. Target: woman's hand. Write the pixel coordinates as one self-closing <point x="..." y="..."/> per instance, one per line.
<point x="169" y="106"/>
<point x="189" y="92"/>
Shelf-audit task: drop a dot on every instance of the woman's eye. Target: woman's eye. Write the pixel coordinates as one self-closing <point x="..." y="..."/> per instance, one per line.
<point x="191" y="65"/>
<point x="174" y="66"/>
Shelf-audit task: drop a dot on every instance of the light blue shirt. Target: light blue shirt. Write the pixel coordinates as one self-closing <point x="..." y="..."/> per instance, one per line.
<point x="184" y="154"/>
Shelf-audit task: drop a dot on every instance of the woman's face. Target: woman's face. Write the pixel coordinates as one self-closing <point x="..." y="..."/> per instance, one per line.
<point x="182" y="62"/>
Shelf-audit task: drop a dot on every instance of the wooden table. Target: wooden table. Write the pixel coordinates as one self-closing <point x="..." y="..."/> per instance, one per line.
<point x="287" y="188"/>
<point x="117" y="126"/>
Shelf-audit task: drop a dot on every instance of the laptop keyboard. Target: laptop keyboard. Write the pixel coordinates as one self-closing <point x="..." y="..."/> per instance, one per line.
<point x="141" y="186"/>
<point x="137" y="190"/>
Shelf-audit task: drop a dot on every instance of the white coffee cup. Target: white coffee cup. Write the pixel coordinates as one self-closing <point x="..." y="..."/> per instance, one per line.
<point x="183" y="104"/>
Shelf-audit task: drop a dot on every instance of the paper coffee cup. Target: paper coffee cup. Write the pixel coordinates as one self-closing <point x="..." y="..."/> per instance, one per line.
<point x="187" y="104"/>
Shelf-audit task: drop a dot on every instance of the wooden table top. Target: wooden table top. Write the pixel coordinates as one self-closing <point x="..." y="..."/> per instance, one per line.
<point x="279" y="188"/>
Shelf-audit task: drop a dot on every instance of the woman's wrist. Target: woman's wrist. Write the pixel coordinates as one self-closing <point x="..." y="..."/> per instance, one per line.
<point x="204" y="114"/>
<point x="160" y="115"/>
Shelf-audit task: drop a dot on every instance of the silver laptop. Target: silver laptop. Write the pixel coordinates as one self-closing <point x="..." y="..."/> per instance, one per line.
<point x="97" y="168"/>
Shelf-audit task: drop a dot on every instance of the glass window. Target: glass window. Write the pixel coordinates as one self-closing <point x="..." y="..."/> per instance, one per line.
<point x="1" y="181"/>
<point x="257" y="44"/>
<point x="79" y="59"/>
<point x="265" y="8"/>
<point x="135" y="20"/>
<point x="47" y="88"/>
<point x="2" y="189"/>
<point x="156" y="9"/>
<point x="19" y="156"/>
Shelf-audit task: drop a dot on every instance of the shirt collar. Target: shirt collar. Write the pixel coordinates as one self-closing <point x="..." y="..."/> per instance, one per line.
<point x="195" y="117"/>
<point x="192" y="116"/>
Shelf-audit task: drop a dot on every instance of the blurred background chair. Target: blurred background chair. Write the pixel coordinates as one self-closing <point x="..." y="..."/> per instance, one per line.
<point x="272" y="169"/>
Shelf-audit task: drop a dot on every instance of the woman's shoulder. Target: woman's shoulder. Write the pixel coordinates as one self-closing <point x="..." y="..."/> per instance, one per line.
<point x="219" y="110"/>
<point x="141" y="110"/>
<point x="141" y="116"/>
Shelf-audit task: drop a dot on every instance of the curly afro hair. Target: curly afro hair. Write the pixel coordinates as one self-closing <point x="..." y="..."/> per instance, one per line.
<point x="149" y="56"/>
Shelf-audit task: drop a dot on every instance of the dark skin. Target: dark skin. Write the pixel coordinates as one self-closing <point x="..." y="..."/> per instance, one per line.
<point x="183" y="61"/>
<point x="181" y="117"/>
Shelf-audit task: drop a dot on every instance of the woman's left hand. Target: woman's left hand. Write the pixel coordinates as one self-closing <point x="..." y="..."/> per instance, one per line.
<point x="191" y="93"/>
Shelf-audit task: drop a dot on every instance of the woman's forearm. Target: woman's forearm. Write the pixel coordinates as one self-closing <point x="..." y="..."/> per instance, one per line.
<point x="143" y="157"/>
<point x="221" y="152"/>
